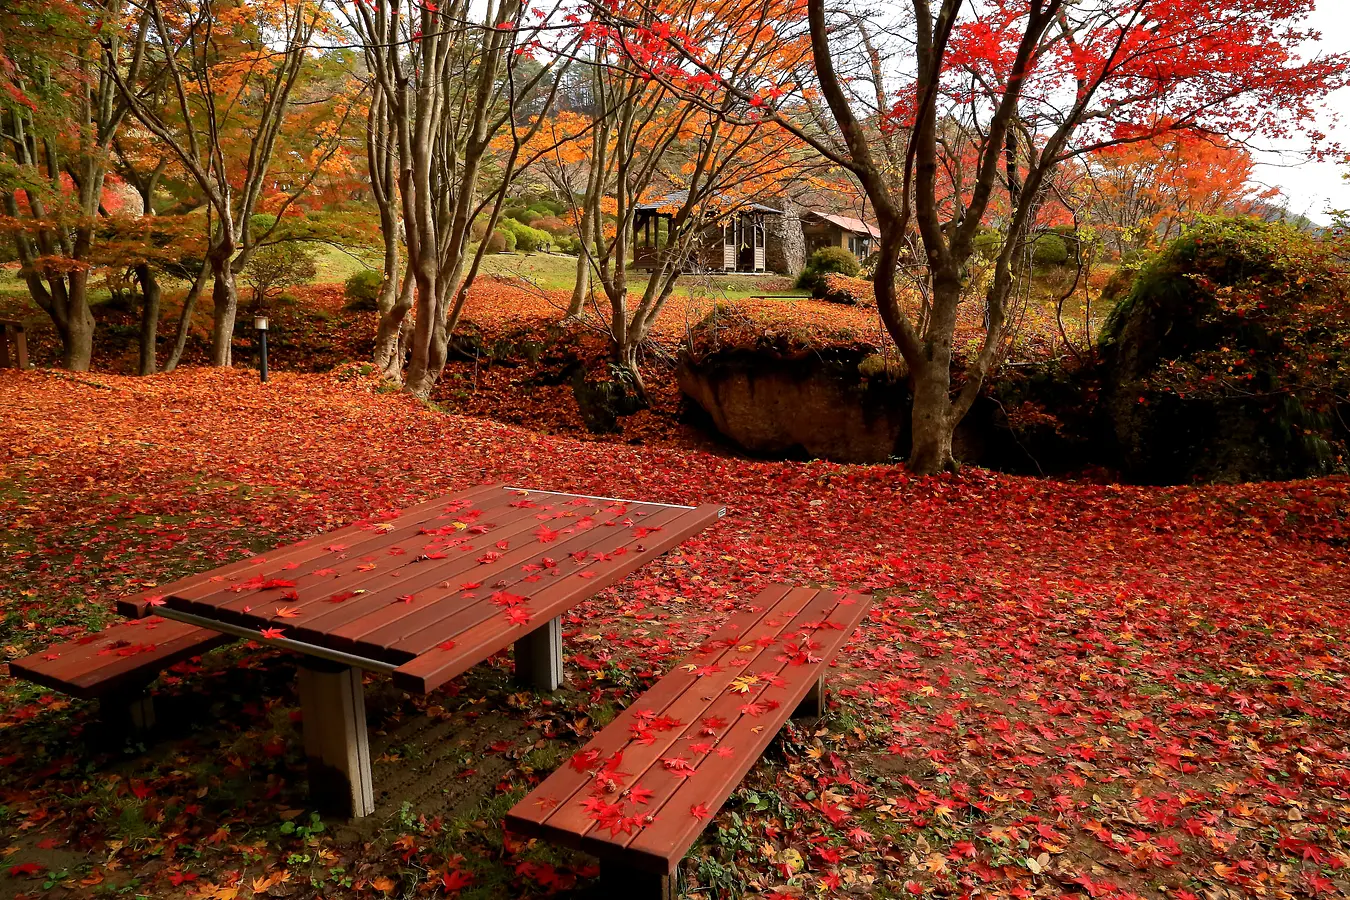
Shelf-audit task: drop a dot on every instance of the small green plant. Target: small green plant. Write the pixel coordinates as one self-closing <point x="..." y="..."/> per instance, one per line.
<point x="362" y="290"/>
<point x="303" y="829"/>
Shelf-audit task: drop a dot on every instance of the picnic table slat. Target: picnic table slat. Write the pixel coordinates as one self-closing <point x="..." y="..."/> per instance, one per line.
<point x="138" y="605"/>
<point x="224" y="600"/>
<point x="409" y="571"/>
<point x="357" y="622"/>
<point x="434" y="666"/>
<point x="425" y="628"/>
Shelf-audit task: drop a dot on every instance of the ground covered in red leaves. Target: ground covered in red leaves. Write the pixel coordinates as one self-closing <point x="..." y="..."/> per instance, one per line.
<point x="1066" y="688"/>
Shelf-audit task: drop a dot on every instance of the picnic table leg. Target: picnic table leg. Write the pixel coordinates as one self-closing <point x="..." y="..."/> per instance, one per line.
<point x="539" y="657"/>
<point x="128" y="712"/>
<point x="617" y="880"/>
<point x="813" y="704"/>
<point x="333" y="709"/>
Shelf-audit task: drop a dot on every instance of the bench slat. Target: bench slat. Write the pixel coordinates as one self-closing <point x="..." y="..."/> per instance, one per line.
<point x="94" y="668"/>
<point x="564" y="809"/>
<point x="694" y="704"/>
<point x="748" y="624"/>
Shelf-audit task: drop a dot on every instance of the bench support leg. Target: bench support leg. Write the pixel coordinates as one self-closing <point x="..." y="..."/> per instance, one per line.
<point x="539" y="657"/>
<point x="634" y="884"/>
<point x="813" y="704"/>
<point x="333" y="708"/>
<point x="128" y="713"/>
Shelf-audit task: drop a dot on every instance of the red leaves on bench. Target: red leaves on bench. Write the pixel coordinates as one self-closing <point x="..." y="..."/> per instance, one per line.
<point x="272" y="633"/>
<point x="261" y="583"/>
<point x="648" y="724"/>
<point x="126" y="648"/>
<point x="678" y="766"/>
<point x="584" y="760"/>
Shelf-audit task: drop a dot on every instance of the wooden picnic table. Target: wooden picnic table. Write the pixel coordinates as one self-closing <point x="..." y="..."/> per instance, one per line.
<point x="423" y="595"/>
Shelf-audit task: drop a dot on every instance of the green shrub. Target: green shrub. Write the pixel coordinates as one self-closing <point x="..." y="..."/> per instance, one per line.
<point x="988" y="242"/>
<point x="1049" y="249"/>
<point x="825" y="261"/>
<point x="274" y="267"/>
<point x="528" y="240"/>
<point x="362" y="290"/>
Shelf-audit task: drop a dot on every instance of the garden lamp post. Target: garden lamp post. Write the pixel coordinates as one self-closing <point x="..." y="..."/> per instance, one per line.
<point x="260" y="326"/>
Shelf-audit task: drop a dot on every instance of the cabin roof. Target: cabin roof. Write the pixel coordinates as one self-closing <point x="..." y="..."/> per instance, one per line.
<point x="848" y="223"/>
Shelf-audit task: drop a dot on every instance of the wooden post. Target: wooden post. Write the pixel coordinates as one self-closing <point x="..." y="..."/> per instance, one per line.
<point x="333" y="708"/>
<point x="618" y="880"/>
<point x="539" y="657"/>
<point x="813" y="704"/>
<point x="129" y="712"/>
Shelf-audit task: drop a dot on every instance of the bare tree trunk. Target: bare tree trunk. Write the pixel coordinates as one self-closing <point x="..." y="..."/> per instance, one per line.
<point x="185" y="319"/>
<point x="576" y="307"/>
<point x="395" y="328"/>
<point x="78" y="353"/>
<point x="225" y="299"/>
<point x="931" y="421"/>
<point x="150" y="295"/>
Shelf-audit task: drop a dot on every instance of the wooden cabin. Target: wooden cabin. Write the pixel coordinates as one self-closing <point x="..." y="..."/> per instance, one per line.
<point x="822" y="229"/>
<point x="742" y="242"/>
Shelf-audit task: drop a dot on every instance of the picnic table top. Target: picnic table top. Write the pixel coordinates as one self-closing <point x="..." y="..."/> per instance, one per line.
<point x="427" y="592"/>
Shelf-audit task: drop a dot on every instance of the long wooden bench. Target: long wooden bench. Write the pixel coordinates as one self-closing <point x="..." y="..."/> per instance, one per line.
<point x="115" y="665"/>
<point x="639" y="794"/>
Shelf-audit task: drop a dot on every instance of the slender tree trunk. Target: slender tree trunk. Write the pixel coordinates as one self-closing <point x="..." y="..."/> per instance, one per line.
<point x="576" y="309"/>
<point x="933" y="419"/>
<point x="185" y="319"/>
<point x="149" y="318"/>
<point x="395" y="327"/>
<point x="225" y="298"/>
<point x="78" y="353"/>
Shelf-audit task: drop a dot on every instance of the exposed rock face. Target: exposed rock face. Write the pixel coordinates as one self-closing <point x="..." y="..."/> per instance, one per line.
<point x="785" y="247"/>
<point x="814" y="404"/>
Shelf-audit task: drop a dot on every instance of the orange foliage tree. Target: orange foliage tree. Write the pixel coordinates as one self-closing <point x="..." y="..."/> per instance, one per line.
<point x="1143" y="194"/>
<point x="216" y="89"/>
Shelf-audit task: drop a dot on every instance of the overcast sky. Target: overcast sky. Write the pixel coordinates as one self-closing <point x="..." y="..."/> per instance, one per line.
<point x="1312" y="188"/>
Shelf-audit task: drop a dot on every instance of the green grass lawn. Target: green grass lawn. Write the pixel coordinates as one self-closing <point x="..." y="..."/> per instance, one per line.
<point x="552" y="271"/>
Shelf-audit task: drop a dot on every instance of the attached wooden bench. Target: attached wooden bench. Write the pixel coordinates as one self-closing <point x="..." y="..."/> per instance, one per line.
<point x="12" y="332"/>
<point x="115" y="665"/>
<point x="638" y="795"/>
